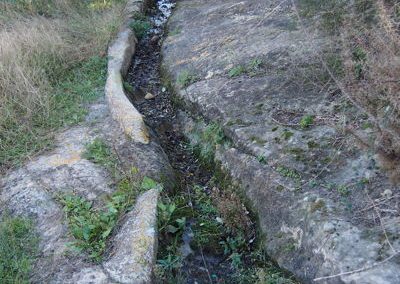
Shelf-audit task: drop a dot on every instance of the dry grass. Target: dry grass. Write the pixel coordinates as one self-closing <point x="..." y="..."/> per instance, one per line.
<point x="40" y="43"/>
<point x="372" y="64"/>
<point x="365" y="40"/>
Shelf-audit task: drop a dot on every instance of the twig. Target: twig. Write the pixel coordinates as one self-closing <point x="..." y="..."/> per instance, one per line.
<point x="270" y="13"/>
<point x="381" y="223"/>
<point x="205" y="265"/>
<point x="358" y="270"/>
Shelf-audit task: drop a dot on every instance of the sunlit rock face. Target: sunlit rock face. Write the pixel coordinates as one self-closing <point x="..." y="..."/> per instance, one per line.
<point x="248" y="66"/>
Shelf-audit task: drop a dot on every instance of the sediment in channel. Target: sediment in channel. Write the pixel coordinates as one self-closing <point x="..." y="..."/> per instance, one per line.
<point x="156" y="102"/>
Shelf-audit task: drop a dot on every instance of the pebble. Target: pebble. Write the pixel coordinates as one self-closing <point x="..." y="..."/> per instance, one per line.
<point x="387" y="193"/>
<point x="329" y="228"/>
<point x="154" y="39"/>
<point x="149" y="96"/>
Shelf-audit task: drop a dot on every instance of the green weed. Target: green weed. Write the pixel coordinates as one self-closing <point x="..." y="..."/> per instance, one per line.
<point x="170" y="263"/>
<point x="140" y="26"/>
<point x="289" y="173"/>
<point x="205" y="142"/>
<point x="262" y="159"/>
<point x="174" y="32"/>
<point x="99" y="152"/>
<point x="343" y="190"/>
<point x="186" y="78"/>
<point x="128" y="87"/>
<point x="306" y="121"/>
<point x="312" y="144"/>
<point x="359" y="58"/>
<point x="252" y="68"/>
<point x="91" y="226"/>
<point x="286" y="134"/>
<point x="237" y="71"/>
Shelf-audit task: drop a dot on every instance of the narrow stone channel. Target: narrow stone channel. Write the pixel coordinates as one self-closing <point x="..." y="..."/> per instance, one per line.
<point x="155" y="101"/>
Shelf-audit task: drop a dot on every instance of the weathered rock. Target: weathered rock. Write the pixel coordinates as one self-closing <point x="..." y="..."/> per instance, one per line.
<point x="135" y="246"/>
<point x="34" y="189"/>
<point x="314" y="205"/>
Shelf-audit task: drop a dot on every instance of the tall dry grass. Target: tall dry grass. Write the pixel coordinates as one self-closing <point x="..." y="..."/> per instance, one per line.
<point x="40" y="43"/>
<point x="371" y="49"/>
<point x="365" y="39"/>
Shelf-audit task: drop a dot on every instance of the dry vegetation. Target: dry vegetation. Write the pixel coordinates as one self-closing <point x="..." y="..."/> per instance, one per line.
<point x="44" y="45"/>
<point x="372" y="64"/>
<point x="366" y="69"/>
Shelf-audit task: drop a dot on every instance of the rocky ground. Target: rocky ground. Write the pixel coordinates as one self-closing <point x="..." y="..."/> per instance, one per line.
<point x="35" y="190"/>
<point x="324" y="204"/>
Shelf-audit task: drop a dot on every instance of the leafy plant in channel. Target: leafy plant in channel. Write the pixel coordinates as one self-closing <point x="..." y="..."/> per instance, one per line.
<point x="140" y="25"/>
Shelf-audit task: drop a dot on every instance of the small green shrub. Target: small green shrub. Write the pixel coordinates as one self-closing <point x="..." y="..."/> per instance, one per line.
<point x="140" y="25"/>
<point x="306" y="121"/>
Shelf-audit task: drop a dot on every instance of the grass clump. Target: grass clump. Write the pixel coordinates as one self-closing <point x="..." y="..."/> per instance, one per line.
<point x="51" y="62"/>
<point x="99" y="152"/>
<point x="237" y="71"/>
<point x="82" y="85"/>
<point x="205" y="141"/>
<point x="140" y="25"/>
<point x="18" y="248"/>
<point x="253" y="68"/>
<point x="332" y="12"/>
<point x="289" y="173"/>
<point x="186" y="78"/>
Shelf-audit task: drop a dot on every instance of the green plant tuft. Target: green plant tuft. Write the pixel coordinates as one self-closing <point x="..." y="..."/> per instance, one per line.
<point x="18" y="249"/>
<point x="92" y="226"/>
<point x="140" y="25"/>
<point x="186" y="78"/>
<point x="306" y="121"/>
<point x="237" y="71"/>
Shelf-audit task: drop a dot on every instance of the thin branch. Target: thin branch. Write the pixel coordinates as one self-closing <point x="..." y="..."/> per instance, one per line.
<point x="358" y="270"/>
